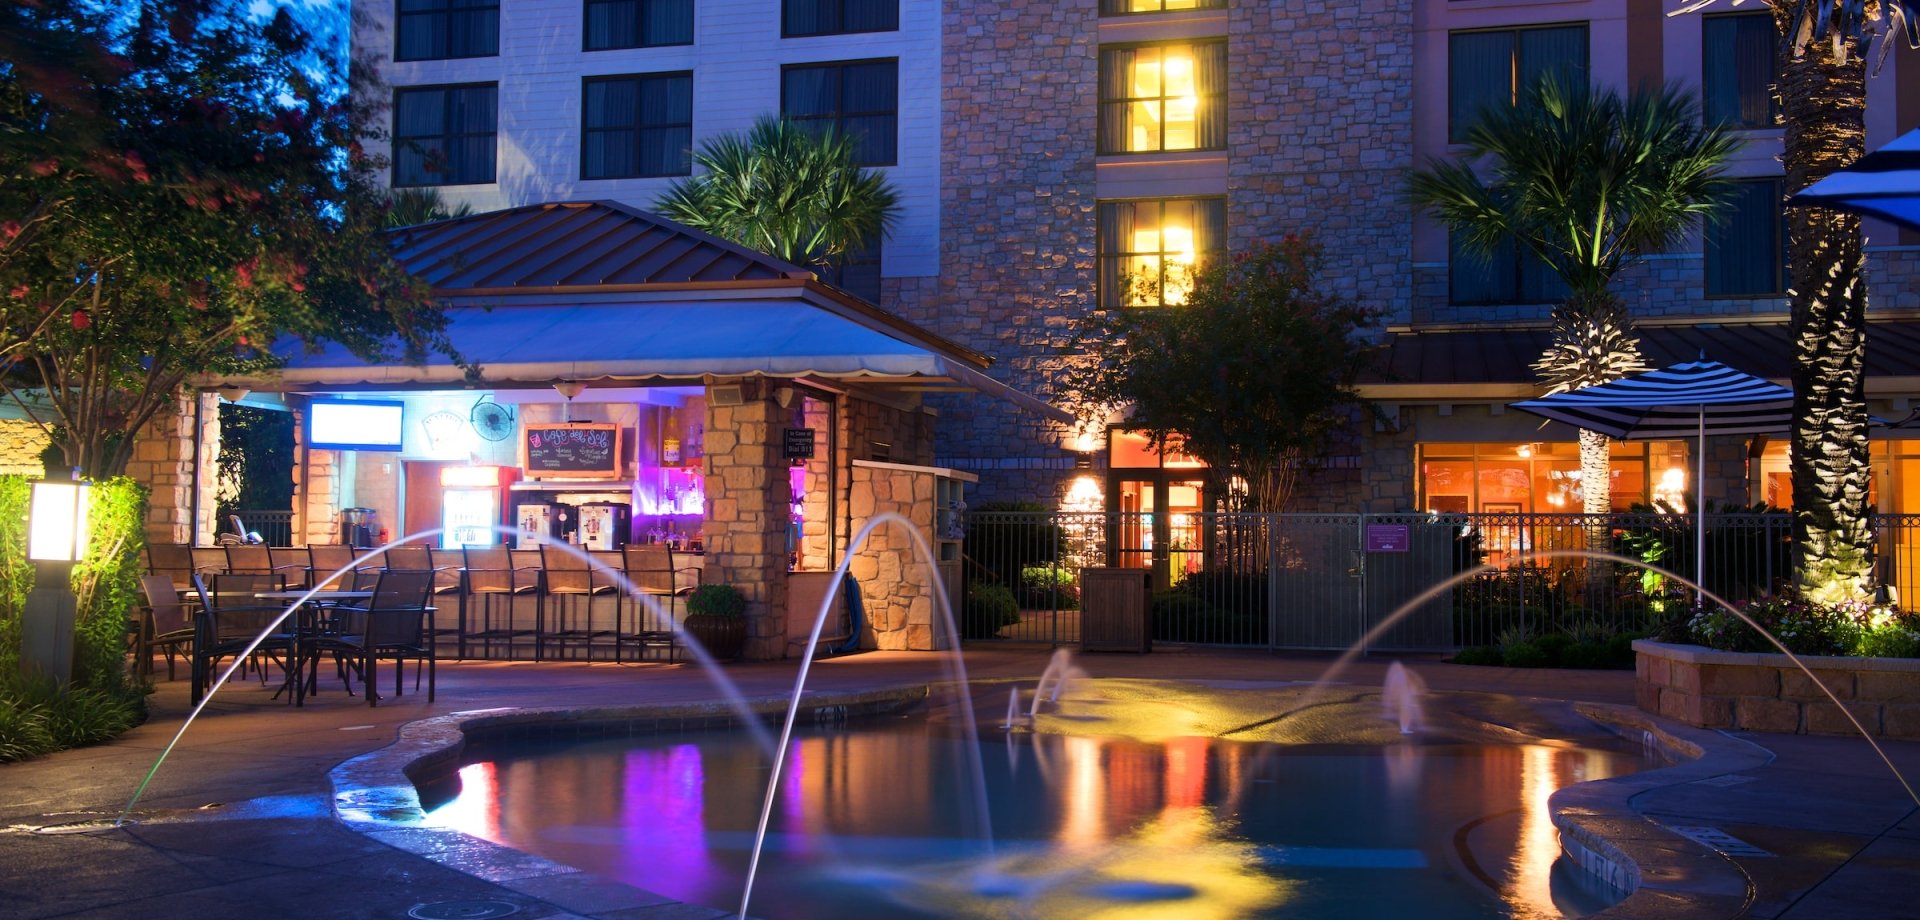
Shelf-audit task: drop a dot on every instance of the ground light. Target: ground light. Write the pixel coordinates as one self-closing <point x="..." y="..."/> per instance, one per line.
<point x="56" y="539"/>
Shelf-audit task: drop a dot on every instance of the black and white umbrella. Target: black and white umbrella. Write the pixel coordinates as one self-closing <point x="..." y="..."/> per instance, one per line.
<point x="1694" y="398"/>
<point x="1884" y="184"/>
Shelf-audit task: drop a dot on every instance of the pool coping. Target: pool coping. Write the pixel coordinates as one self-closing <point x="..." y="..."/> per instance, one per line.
<point x="375" y="794"/>
<point x="1664" y="874"/>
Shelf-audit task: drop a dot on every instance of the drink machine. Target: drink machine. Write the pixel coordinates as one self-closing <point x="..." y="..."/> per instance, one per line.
<point x="605" y="525"/>
<point x="535" y="521"/>
<point x="473" y="500"/>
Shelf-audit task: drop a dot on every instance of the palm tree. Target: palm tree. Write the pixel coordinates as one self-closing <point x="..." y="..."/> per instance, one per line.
<point x="792" y="192"/>
<point x="1823" y="96"/>
<point x="1587" y="183"/>
<point x="409" y="206"/>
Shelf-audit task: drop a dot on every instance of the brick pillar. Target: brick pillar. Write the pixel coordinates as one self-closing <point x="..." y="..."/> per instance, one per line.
<point x="816" y="553"/>
<point x="316" y="488"/>
<point x="747" y="504"/>
<point x="163" y="459"/>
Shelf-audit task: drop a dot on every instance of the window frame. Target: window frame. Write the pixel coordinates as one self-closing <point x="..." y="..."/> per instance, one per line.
<point x="586" y="131"/>
<point x="1101" y="253"/>
<point x="1707" y="247"/>
<point x="1520" y="256"/>
<point x="840" y="115"/>
<point x="1773" y="98"/>
<point x="1107" y="8"/>
<point x="841" y="6"/>
<point x="445" y="11"/>
<point x="1455" y="127"/>
<point x="1219" y="96"/>
<point x="398" y="139"/>
<point x="586" y="32"/>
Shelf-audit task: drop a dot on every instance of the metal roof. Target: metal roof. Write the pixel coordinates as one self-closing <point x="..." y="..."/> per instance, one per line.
<point x="579" y="244"/>
<point x="1506" y="356"/>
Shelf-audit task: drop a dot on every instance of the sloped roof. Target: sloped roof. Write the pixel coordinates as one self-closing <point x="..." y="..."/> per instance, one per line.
<point x="573" y="245"/>
<point x="1505" y="356"/>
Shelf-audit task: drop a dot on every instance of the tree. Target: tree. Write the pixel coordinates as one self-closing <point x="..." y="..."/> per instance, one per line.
<point x="1822" y="47"/>
<point x="407" y="207"/>
<point x="791" y="192"/>
<point x="179" y="190"/>
<point x="1588" y="184"/>
<point x="1251" y="374"/>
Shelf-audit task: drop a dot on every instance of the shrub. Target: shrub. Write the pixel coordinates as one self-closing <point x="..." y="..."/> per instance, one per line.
<point x="1484" y="655"/>
<point x="717" y="600"/>
<point x="37" y="717"/>
<point x="1050" y="587"/>
<point x="1525" y="655"/>
<point x="1889" y="640"/>
<point x="1007" y="538"/>
<point x="987" y="609"/>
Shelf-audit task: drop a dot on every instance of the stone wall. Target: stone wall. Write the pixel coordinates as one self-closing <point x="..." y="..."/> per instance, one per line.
<point x="316" y="488"/>
<point x="164" y="460"/>
<point x="896" y="585"/>
<point x="748" y="498"/>
<point x="1767" y="693"/>
<point x="21" y="443"/>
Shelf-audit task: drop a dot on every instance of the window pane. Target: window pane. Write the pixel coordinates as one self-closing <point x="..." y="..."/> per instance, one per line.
<point x="1495" y="69"/>
<point x="444" y="136"/>
<point x="637" y="126"/>
<point x="1737" y="70"/>
<point x="1745" y="246"/>
<point x="860" y="100"/>
<point x="1560" y="52"/>
<point x="1149" y="250"/>
<point x="434" y="29"/>
<point x="1163" y="97"/>
<point x="1124" y="7"/>
<point x="667" y="22"/>
<point x="612" y="24"/>
<point x="858" y="273"/>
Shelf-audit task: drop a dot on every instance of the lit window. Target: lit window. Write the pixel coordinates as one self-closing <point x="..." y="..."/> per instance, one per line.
<point x="1149" y="250"/>
<point x="429" y="30"/>
<point x="444" y="135"/>
<point x="1494" y="69"/>
<point x="612" y="24"/>
<point x="1123" y="7"/>
<point x="1163" y="97"/>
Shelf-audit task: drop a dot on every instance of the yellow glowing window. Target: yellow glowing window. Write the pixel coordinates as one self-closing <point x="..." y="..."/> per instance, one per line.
<point x="1149" y="250"/>
<point x="1122" y="7"/>
<point x="1162" y="97"/>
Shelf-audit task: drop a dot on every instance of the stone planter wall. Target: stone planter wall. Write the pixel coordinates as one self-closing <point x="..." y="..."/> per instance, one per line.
<point x="1747" y="691"/>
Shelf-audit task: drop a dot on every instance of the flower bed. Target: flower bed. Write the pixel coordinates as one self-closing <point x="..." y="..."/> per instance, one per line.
<point x="1754" y="691"/>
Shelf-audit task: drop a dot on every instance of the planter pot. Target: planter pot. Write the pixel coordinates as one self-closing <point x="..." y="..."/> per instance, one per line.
<point x="1748" y="691"/>
<point x="722" y="636"/>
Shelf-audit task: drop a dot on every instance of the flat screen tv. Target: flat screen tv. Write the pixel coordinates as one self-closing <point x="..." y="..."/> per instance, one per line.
<point x="354" y="424"/>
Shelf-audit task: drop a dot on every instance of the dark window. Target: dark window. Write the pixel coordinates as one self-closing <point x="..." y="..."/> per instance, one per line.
<point x="860" y="99"/>
<point x="636" y="126"/>
<point x="1747" y="245"/>
<point x="1150" y="249"/>
<point x="434" y="29"/>
<point x="1495" y="69"/>
<point x="857" y="273"/>
<point x="1511" y="275"/>
<point x="444" y="135"/>
<point x="638" y="23"/>
<point x="1163" y="97"/>
<point x="1123" y="7"/>
<point x="837" y="17"/>
<point x="1737" y="70"/>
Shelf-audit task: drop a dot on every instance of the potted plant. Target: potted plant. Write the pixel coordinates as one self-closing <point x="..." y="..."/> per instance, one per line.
<point x="717" y="617"/>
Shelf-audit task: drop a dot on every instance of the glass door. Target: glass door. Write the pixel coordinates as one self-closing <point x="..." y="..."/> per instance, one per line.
<point x="1160" y="526"/>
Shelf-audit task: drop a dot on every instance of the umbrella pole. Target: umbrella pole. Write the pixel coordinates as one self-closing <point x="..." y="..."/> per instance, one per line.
<point x="1700" y="513"/>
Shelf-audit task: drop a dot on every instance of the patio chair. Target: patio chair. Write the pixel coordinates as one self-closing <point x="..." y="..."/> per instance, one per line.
<point x="173" y="560"/>
<point x="248" y="559"/>
<point x="166" y="624"/>
<point x="293" y="563"/>
<point x="652" y="570"/>
<point x="231" y="618"/>
<point x="397" y="624"/>
<point x="572" y="584"/>
<point x="492" y="577"/>
<point x="326" y="559"/>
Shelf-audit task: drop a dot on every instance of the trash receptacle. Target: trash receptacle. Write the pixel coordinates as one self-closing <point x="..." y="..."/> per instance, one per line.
<point x="1115" y="607"/>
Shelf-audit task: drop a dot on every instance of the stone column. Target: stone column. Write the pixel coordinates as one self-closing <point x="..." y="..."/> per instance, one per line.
<point x="164" y="459"/>
<point x="816" y="552"/>
<point x="316" y="488"/>
<point x="747" y="504"/>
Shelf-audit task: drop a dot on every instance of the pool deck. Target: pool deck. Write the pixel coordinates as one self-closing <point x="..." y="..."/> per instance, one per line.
<point x="239" y="820"/>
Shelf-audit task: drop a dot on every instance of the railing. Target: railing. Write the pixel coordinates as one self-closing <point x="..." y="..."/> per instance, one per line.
<point x="274" y="527"/>
<point x="1325" y="581"/>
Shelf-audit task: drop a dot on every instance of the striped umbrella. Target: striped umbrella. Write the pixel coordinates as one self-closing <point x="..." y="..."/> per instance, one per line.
<point x="1697" y="397"/>
<point x="1884" y="184"/>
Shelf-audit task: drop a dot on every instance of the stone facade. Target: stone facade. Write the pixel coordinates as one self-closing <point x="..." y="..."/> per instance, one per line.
<point x="164" y="459"/>
<point x="896" y="583"/>
<point x="748" y="499"/>
<point x="21" y="443"/>
<point x="1767" y="693"/>
<point x="316" y="488"/>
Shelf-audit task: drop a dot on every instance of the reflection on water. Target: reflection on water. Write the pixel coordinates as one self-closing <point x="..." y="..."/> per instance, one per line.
<point x="871" y="822"/>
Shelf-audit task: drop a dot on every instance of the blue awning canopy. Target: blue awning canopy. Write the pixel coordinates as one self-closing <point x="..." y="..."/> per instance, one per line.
<point x="1673" y="402"/>
<point x="1884" y="184"/>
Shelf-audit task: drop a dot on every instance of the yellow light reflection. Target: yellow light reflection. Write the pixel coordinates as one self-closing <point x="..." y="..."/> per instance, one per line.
<point x="1529" y="887"/>
<point x="1086" y="819"/>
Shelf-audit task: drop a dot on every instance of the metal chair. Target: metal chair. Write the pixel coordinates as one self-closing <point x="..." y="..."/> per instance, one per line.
<point x="396" y="624"/>
<point x="231" y="618"/>
<point x="173" y="560"/>
<point x="166" y="624"/>
<point x="325" y="560"/>
<point x="248" y="559"/>
<point x="490" y="577"/>
<point x="567" y="575"/>
<point x="651" y="569"/>
<point x="293" y="563"/>
<point x="449" y="581"/>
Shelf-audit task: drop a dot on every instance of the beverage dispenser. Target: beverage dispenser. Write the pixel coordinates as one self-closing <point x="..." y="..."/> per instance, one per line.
<point x="605" y="525"/>
<point x="534" y="521"/>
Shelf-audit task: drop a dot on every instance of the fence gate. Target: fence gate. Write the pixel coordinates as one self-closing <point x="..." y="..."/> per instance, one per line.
<point x="1314" y="572"/>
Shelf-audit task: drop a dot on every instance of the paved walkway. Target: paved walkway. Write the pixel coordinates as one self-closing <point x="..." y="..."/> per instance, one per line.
<point x="238" y="821"/>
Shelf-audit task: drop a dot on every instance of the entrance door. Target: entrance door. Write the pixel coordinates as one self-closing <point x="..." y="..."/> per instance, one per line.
<point x="1159" y="526"/>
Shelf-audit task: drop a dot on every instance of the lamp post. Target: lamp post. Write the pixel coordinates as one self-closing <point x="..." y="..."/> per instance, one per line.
<point x="56" y="539"/>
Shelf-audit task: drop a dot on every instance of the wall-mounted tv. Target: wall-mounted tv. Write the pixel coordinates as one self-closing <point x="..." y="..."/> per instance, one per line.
<point x="354" y="424"/>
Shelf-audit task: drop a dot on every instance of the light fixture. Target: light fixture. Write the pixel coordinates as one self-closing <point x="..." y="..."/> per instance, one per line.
<point x="56" y="538"/>
<point x="568" y="389"/>
<point x="57" y="522"/>
<point x="1526" y="451"/>
<point x="232" y="394"/>
<point x="784" y="396"/>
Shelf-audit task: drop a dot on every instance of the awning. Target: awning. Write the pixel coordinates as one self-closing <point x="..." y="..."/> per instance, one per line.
<point x="1694" y="398"/>
<point x="1883" y="184"/>
<point x="535" y="345"/>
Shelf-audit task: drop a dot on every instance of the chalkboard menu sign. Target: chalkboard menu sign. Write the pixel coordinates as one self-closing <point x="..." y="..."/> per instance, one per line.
<point x="571" y="451"/>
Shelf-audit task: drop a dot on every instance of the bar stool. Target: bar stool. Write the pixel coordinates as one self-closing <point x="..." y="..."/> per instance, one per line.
<point x="568" y="575"/>
<point x="651" y="570"/>
<point x="449" y="581"/>
<point x="490" y="576"/>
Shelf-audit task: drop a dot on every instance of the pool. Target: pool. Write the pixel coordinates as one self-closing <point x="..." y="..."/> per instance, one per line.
<point x="876" y="818"/>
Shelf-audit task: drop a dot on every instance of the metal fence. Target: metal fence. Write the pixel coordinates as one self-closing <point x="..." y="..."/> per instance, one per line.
<point x="1323" y="581"/>
<point x="274" y="527"/>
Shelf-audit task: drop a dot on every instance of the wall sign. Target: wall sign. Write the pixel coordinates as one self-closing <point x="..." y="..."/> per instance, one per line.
<point x="582" y="450"/>
<point x="797" y="444"/>
<point x="1387" y="538"/>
